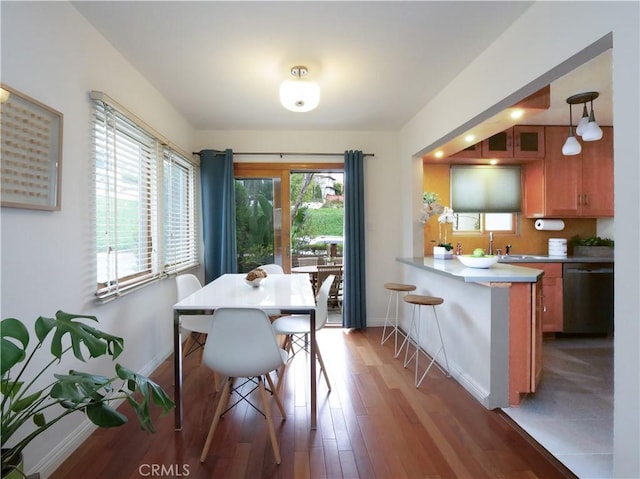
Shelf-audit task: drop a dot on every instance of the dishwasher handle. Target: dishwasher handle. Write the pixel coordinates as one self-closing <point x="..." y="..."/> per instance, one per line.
<point x="589" y="270"/>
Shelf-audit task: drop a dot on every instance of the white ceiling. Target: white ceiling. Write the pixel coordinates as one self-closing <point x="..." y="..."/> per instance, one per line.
<point x="378" y="63"/>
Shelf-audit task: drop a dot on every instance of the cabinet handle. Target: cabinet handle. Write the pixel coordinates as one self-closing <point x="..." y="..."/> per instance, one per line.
<point x="586" y="200"/>
<point x="579" y="200"/>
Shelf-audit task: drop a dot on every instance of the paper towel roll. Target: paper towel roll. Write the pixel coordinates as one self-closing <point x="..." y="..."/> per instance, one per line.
<point x="549" y="225"/>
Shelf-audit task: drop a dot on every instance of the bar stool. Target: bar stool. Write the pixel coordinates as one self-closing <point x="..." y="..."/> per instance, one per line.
<point x="418" y="300"/>
<point x="394" y="290"/>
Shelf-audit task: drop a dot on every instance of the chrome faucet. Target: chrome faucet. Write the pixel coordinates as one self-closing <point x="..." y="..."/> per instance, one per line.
<point x="490" y="242"/>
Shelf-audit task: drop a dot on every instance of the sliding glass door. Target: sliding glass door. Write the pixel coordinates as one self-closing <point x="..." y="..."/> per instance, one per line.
<point x="261" y="224"/>
<point x="276" y="207"/>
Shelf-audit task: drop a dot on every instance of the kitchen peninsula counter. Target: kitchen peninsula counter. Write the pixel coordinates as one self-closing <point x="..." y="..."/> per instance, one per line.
<point x="490" y="321"/>
<point x="499" y="272"/>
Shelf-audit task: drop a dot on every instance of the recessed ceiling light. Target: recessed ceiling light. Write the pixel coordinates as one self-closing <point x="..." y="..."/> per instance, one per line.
<point x="516" y="114"/>
<point x="439" y="154"/>
<point x="469" y="138"/>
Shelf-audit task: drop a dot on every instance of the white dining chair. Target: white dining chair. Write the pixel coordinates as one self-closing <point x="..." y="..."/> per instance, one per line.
<point x="196" y="325"/>
<point x="242" y="344"/>
<point x="296" y="327"/>
<point x="272" y="268"/>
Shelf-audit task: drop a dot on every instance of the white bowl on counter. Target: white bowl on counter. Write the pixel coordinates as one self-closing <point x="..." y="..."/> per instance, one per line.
<point x="478" y="261"/>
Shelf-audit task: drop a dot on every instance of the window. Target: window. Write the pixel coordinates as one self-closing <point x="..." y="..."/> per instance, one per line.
<point x="144" y="204"/>
<point x="180" y="221"/>
<point x="484" y="222"/>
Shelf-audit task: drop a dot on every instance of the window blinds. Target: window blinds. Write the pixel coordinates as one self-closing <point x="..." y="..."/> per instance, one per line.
<point x="145" y="205"/>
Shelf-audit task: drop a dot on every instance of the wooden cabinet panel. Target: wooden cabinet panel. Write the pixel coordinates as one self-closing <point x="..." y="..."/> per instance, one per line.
<point x="528" y="141"/>
<point x="597" y="176"/>
<point x="473" y="151"/>
<point x="519" y="142"/>
<point x="578" y="186"/>
<point x="552" y="306"/>
<point x="561" y="175"/>
<point x="499" y="145"/>
<point x="525" y="339"/>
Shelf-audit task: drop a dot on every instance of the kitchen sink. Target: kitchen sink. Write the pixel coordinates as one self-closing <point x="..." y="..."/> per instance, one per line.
<point x="520" y="257"/>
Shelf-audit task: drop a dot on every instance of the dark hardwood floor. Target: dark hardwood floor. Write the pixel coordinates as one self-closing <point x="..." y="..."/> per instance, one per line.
<point x="373" y="424"/>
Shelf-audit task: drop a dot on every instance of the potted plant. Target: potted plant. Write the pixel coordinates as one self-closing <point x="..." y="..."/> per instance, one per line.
<point x="23" y="401"/>
<point x="593" y="246"/>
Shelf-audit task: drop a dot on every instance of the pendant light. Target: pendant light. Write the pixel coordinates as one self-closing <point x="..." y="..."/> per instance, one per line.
<point x="592" y="132"/>
<point x="572" y="145"/>
<point x="587" y="128"/>
<point x="583" y="121"/>
<point x="299" y="94"/>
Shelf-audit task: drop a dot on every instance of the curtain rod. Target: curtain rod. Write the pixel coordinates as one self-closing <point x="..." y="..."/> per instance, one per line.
<point x="286" y="154"/>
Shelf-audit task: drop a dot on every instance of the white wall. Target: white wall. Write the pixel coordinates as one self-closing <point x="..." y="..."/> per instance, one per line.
<point x="52" y="54"/>
<point x="545" y="43"/>
<point x="383" y="186"/>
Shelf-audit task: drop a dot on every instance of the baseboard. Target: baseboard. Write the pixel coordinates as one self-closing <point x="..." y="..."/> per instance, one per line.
<point x="66" y="446"/>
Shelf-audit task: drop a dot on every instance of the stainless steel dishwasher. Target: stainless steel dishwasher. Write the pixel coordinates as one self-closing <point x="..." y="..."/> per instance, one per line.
<point x="588" y="297"/>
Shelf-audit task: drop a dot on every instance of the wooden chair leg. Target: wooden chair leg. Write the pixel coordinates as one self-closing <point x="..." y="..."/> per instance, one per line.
<point x="281" y="373"/>
<point x="267" y="415"/>
<point x="224" y="399"/>
<point x="322" y="368"/>
<point x="274" y="392"/>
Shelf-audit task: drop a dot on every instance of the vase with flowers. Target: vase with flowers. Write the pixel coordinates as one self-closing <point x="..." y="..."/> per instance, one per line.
<point x="432" y="207"/>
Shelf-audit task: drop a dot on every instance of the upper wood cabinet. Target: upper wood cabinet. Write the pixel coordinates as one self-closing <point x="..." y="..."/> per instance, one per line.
<point x="499" y="145"/>
<point x="578" y="186"/>
<point x="519" y="142"/>
<point x="528" y="141"/>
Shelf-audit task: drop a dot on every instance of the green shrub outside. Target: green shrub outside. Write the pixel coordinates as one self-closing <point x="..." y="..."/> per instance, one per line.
<point x="325" y="221"/>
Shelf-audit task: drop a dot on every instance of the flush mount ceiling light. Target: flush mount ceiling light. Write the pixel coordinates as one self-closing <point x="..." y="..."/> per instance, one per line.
<point x="587" y="128"/>
<point x="299" y="94"/>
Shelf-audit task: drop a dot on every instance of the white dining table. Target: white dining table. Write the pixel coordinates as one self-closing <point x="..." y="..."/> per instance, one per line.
<point x="290" y="292"/>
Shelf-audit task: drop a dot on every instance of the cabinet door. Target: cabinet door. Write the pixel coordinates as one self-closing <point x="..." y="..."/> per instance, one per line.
<point x="552" y="309"/>
<point x="528" y="141"/>
<point x="473" y="151"/>
<point x="536" y="337"/>
<point x="499" y="145"/>
<point x="562" y="176"/>
<point x="597" y="176"/>
<point x="533" y="197"/>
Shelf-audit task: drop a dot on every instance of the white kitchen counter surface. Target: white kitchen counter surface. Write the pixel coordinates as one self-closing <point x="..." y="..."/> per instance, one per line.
<point x="498" y="273"/>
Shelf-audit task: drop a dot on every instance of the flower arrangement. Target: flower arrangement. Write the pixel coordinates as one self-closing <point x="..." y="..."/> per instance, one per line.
<point x="447" y="216"/>
<point x="431" y="207"/>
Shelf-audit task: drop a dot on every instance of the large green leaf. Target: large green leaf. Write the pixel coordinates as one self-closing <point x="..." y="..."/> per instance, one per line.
<point x="76" y="388"/>
<point x="25" y="402"/>
<point x="103" y="415"/>
<point x="97" y="342"/>
<point x="14" y="339"/>
<point x="149" y="391"/>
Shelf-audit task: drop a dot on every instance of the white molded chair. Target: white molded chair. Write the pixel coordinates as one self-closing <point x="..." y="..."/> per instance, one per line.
<point x="272" y="268"/>
<point x="298" y="325"/>
<point x="196" y="325"/>
<point x="241" y="344"/>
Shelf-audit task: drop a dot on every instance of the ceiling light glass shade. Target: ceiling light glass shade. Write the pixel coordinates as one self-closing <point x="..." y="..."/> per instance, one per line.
<point x="299" y="94"/>
<point x="571" y="146"/>
<point x="4" y="95"/>
<point x="592" y="132"/>
<point x="583" y="121"/>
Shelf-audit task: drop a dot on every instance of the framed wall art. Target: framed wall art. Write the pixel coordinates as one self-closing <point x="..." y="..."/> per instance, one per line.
<point x="30" y="152"/>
